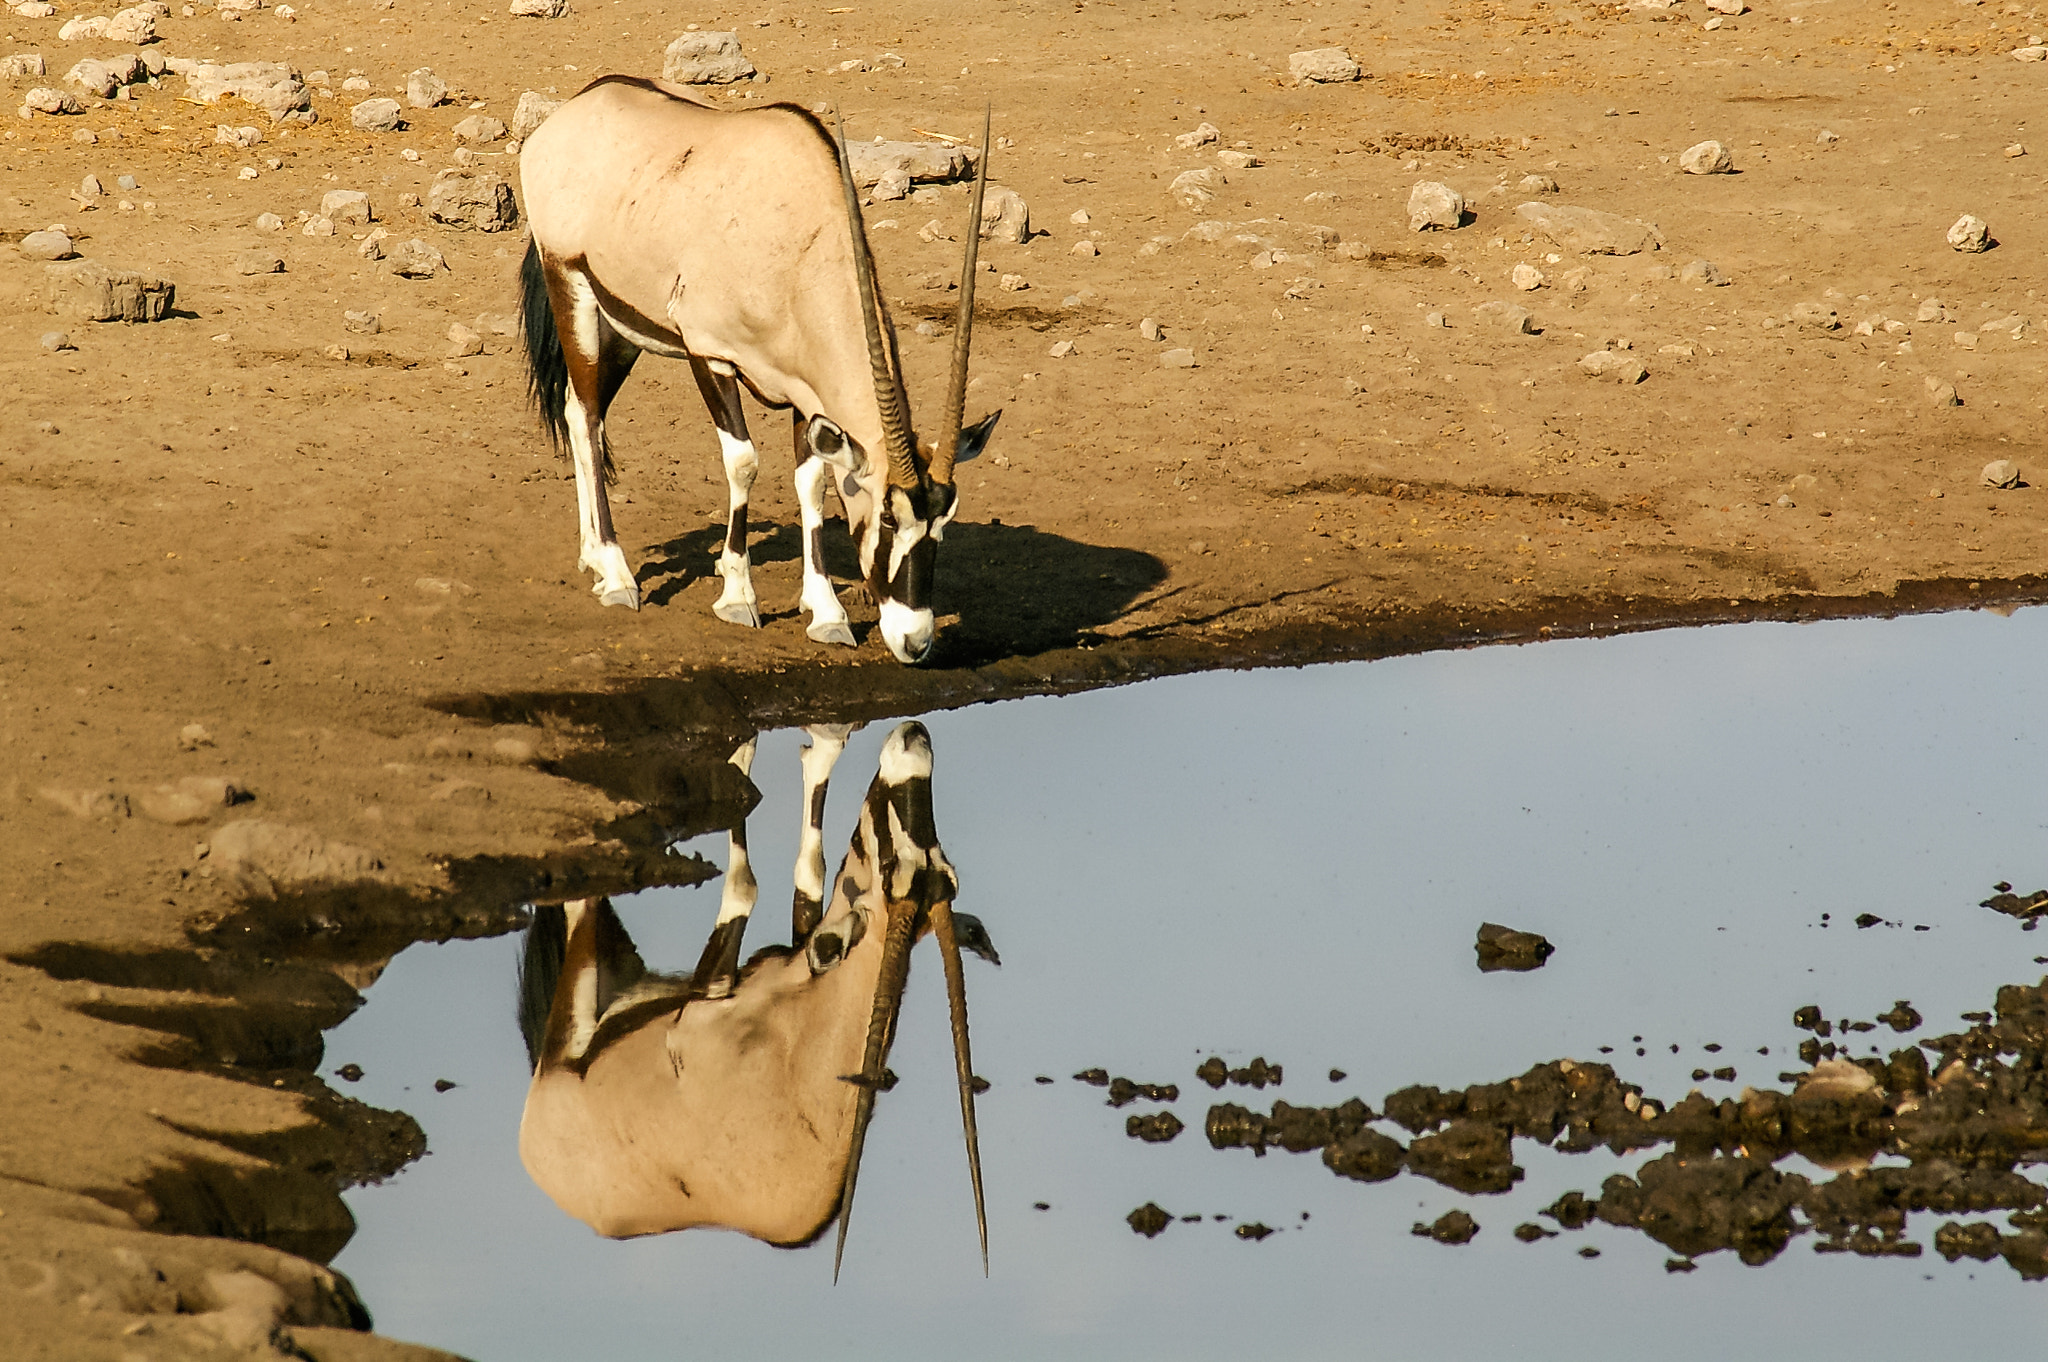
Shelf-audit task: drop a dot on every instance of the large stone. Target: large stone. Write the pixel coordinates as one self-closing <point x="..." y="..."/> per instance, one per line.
<point x="377" y="115"/>
<point x="1970" y="234"/>
<point x="539" y="9"/>
<point x="1434" y="206"/>
<point x="1703" y="274"/>
<point x="532" y="111"/>
<point x="1195" y="190"/>
<point x="258" y="262"/>
<point x="424" y="89"/>
<point x="1588" y="231"/>
<point x="415" y="259"/>
<point x="1614" y="366"/>
<point x="271" y="86"/>
<point x="102" y="76"/>
<point x="89" y="291"/>
<point x="43" y="99"/>
<point x="1202" y="136"/>
<point x="705" y="59"/>
<point x="1005" y="216"/>
<point x="1322" y="66"/>
<point x="479" y="129"/>
<point x="923" y="162"/>
<point x="82" y="27"/>
<point x="46" y="245"/>
<point x="1507" y="317"/>
<point x="482" y="201"/>
<point x="1706" y="158"/>
<point x="346" y="205"/>
<point x="135" y="26"/>
<point x="22" y="64"/>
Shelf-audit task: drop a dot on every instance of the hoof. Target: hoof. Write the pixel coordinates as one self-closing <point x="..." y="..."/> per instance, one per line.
<point x="738" y="612"/>
<point x="830" y="631"/>
<point x="628" y="596"/>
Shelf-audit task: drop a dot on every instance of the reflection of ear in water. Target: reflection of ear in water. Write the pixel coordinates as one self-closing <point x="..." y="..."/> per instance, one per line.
<point x="732" y="1097"/>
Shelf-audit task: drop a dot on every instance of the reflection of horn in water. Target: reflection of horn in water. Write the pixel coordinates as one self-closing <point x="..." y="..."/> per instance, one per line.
<point x="963" y="1061"/>
<point x="881" y="1032"/>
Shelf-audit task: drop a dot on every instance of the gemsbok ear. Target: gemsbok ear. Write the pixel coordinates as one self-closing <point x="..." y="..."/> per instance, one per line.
<point x="829" y="443"/>
<point x="975" y="438"/>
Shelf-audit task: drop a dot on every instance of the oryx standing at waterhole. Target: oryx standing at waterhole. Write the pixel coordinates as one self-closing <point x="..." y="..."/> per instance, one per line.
<point x="740" y="1096"/>
<point x="733" y="239"/>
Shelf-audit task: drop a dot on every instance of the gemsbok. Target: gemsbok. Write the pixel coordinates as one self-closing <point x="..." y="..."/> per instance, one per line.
<point x="733" y="239"/>
<point x="740" y="1096"/>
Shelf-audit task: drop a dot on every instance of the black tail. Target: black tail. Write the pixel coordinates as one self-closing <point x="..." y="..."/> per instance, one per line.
<point x="540" y="965"/>
<point x="547" y="373"/>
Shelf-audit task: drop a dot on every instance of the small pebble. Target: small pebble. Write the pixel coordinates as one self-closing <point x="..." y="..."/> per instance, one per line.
<point x="1150" y="329"/>
<point x="1181" y="358"/>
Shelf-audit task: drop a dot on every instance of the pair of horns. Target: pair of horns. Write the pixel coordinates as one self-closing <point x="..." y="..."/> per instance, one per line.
<point x="889" y="391"/>
<point x="900" y="934"/>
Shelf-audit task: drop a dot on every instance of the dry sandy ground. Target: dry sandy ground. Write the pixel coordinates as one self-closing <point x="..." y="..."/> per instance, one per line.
<point x="356" y="575"/>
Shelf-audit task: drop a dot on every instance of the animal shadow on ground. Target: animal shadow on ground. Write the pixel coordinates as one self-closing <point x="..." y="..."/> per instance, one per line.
<point x="1015" y="589"/>
<point x="1018" y="590"/>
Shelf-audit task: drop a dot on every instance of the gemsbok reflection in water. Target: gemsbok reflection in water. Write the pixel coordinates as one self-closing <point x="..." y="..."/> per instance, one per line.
<point x="739" y="1096"/>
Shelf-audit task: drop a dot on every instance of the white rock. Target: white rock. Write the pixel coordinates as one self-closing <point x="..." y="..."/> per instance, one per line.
<point x="136" y="27"/>
<point x="1012" y="283"/>
<point x="350" y="206"/>
<point x="1237" y="160"/>
<point x="482" y="201"/>
<point x="539" y="9"/>
<point x="225" y="136"/>
<point x="94" y="77"/>
<point x="317" y="226"/>
<point x="23" y="64"/>
<point x="1618" y="368"/>
<point x="1966" y="340"/>
<point x="34" y="9"/>
<point x="1706" y="158"/>
<point x="415" y="259"/>
<point x="1434" y="206"/>
<point x="1970" y="234"/>
<point x="424" y="89"/>
<point x="88" y="291"/>
<point x="1826" y="138"/>
<point x="1727" y="6"/>
<point x="50" y="244"/>
<point x="1150" y="329"/>
<point x="1196" y="189"/>
<point x="1588" y="231"/>
<point x="479" y="129"/>
<point x="1322" y="66"/>
<point x="363" y="323"/>
<point x="258" y="262"/>
<point x="531" y="111"/>
<point x="1005" y="216"/>
<point x="377" y="115"/>
<point x="705" y="59"/>
<point x="356" y="83"/>
<point x="1527" y="277"/>
<point x="43" y="99"/>
<point x="2034" y="53"/>
<point x="1202" y="136"/>
<point x="893" y="186"/>
<point x="1179" y="358"/>
<point x="1507" y="317"/>
<point x="1079" y="217"/>
<point x="1538" y="184"/>
<point x="271" y="86"/>
<point x="464" y="341"/>
<point x="2000" y="473"/>
<point x="269" y="222"/>
<point x="90" y="187"/>
<point x="1817" y="315"/>
<point x="1703" y="273"/>
<point x="1942" y="394"/>
<point x="74" y="30"/>
<point x="1087" y="248"/>
<point x="1930" y="310"/>
<point x="923" y="162"/>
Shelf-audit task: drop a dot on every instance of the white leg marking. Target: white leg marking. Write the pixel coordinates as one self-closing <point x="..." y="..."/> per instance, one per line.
<point x="829" y="623"/>
<point x="603" y="556"/>
<point x="737" y="603"/>
<point x="741" y="890"/>
<point x="828" y="742"/>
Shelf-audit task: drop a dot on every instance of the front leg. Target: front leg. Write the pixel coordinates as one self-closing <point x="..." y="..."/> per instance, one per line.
<point x="829" y="623"/>
<point x="737" y="602"/>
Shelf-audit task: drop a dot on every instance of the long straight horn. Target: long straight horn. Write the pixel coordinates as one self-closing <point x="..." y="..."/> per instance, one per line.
<point x="963" y="1060"/>
<point x="881" y="1027"/>
<point x="963" y="331"/>
<point x="888" y="387"/>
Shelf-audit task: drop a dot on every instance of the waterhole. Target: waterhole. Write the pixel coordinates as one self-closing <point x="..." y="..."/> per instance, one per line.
<point x="1292" y="867"/>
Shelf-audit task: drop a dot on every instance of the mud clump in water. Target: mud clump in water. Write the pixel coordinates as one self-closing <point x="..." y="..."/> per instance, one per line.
<point x="1530" y="1232"/>
<point x="1902" y="1018"/>
<point x="1452" y="1227"/>
<point x="1252" y="1231"/>
<point x="2026" y="908"/>
<point x="1157" y="1128"/>
<point x="1123" y="1092"/>
<point x="1696" y="1206"/>
<point x="1213" y="1071"/>
<point x="1256" y="1074"/>
<point x="1295" y="1129"/>
<point x="1366" y="1156"/>
<point x="1572" y="1210"/>
<point x="1094" y="1078"/>
<point x="350" y="1073"/>
<point x="1467" y="1156"/>
<point x="1504" y="948"/>
<point x="1148" y="1220"/>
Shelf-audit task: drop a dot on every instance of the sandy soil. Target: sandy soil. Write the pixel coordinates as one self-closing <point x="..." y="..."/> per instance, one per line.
<point x="357" y="575"/>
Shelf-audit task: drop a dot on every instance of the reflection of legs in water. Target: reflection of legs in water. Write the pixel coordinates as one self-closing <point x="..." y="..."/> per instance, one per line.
<point x="719" y="966"/>
<point x="828" y="742"/>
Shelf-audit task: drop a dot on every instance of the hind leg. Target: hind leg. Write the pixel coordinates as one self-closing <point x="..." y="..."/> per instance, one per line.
<point x="737" y="603"/>
<point x="598" y="359"/>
